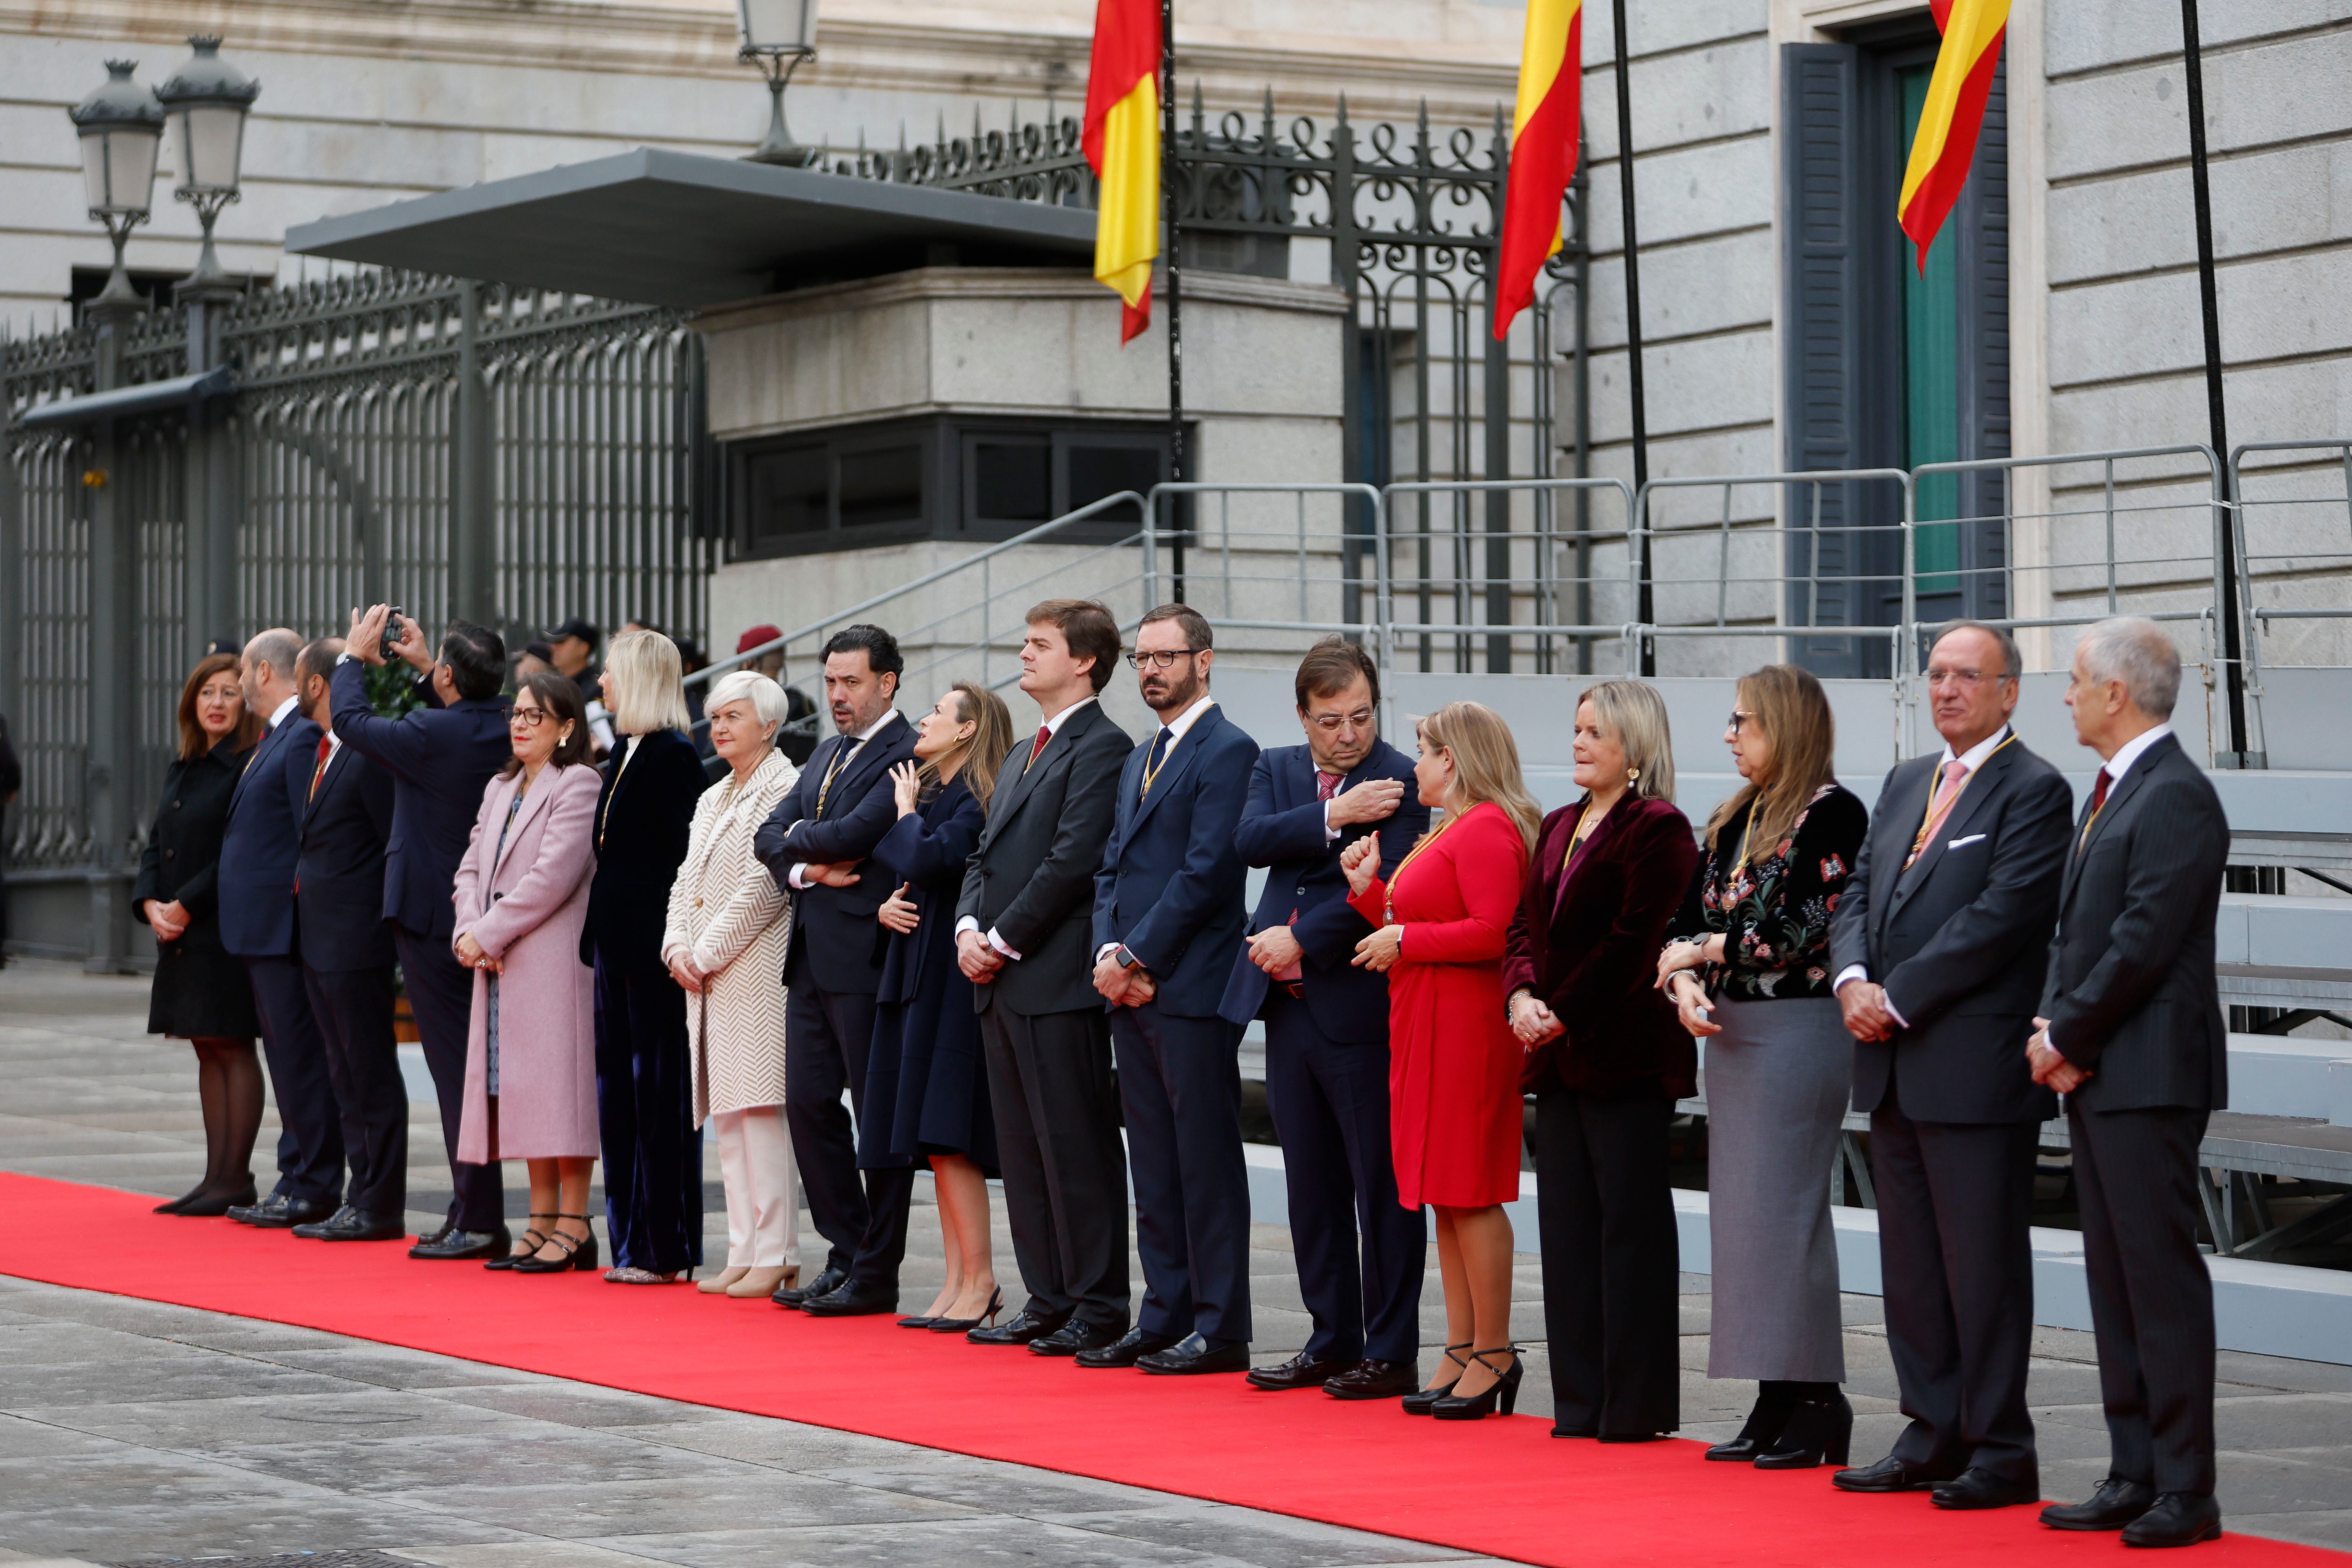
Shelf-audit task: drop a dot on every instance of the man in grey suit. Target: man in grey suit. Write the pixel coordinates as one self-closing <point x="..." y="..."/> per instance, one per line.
<point x="1939" y="943"/>
<point x="2132" y="1035"/>
<point x="1023" y="930"/>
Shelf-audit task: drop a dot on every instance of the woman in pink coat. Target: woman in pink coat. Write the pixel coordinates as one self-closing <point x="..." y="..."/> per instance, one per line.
<point x="522" y="896"/>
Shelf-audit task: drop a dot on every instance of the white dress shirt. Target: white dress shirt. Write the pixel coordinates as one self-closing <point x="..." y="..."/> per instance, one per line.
<point x="2115" y="767"/>
<point x="868" y="734"/>
<point x="1972" y="759"/>
<point x="1053" y="727"/>
<point x="278" y="716"/>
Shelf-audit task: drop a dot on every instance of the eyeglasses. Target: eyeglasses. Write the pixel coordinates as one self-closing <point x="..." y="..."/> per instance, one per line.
<point x="1738" y="716"/>
<point x="530" y="718"/>
<point x="1936" y="675"/>
<point x="1330" y="722"/>
<point x="1164" y="659"/>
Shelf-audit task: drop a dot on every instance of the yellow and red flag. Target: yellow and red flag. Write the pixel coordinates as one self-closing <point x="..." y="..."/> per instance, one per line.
<point x="1544" y="133"/>
<point x="1946" y="145"/>
<point x="1121" y="138"/>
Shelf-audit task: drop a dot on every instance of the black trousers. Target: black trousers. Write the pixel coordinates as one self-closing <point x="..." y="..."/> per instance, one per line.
<point x="861" y="1214"/>
<point x="441" y="999"/>
<point x="2151" y="1299"/>
<point x="1180" y="1083"/>
<point x="311" y="1134"/>
<point x="1331" y="1104"/>
<point x="644" y="1119"/>
<point x="1955" y="1208"/>
<point x="353" y="1007"/>
<point x="1056" y="1108"/>
<point x="1611" y="1264"/>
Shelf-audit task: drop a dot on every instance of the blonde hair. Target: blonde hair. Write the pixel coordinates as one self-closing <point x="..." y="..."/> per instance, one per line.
<point x="649" y="683"/>
<point x="1636" y="714"/>
<point x="1789" y="706"/>
<point x="1486" y="764"/>
<point x="992" y="739"/>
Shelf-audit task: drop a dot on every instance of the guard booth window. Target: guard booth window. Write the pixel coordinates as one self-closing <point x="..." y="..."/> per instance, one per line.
<point x="1885" y="365"/>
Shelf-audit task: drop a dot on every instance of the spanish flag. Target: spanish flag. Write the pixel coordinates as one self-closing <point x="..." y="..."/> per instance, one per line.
<point x="1954" y="113"/>
<point x="1121" y="139"/>
<point x="1543" y="151"/>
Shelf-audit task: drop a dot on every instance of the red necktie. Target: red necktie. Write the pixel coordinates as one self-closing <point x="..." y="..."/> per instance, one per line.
<point x="325" y="749"/>
<point x="1044" y="733"/>
<point x="2098" y="801"/>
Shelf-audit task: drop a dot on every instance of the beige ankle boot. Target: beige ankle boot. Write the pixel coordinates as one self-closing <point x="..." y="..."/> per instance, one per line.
<point x="765" y="1281"/>
<point x="717" y="1284"/>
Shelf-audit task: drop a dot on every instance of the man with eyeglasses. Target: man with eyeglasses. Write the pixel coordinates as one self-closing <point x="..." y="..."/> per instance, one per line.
<point x="441" y="756"/>
<point x="1360" y="1253"/>
<point x="1169" y="913"/>
<point x="1939" y="944"/>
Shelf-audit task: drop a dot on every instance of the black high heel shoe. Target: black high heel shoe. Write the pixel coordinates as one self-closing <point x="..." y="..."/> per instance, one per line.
<point x="579" y="1252"/>
<point x="961" y="1325"/>
<point x="1820" y="1432"/>
<point x="916" y="1322"/>
<point x="532" y="1241"/>
<point x="1765" y="1422"/>
<point x="1421" y="1400"/>
<point x="212" y="1205"/>
<point x="1504" y="1390"/>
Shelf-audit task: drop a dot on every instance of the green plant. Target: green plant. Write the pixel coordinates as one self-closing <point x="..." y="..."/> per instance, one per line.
<point x="392" y="690"/>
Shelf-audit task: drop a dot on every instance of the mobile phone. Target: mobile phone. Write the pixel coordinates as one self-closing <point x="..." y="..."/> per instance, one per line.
<point x="391" y="633"/>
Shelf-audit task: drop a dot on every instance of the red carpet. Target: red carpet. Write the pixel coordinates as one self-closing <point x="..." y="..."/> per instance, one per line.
<point x="1501" y="1487"/>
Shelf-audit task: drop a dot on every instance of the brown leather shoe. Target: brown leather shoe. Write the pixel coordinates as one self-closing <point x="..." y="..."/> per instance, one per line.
<point x="1375" y="1380"/>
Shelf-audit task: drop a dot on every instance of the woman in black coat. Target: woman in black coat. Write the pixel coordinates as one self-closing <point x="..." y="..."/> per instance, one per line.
<point x="644" y="1075"/>
<point x="201" y="993"/>
<point x="925" y="1079"/>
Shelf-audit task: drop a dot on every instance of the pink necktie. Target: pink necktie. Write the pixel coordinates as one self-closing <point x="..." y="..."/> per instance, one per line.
<point x="1955" y="774"/>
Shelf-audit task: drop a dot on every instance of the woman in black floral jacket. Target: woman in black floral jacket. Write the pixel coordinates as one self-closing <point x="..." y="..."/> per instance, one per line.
<point x="1747" y="964"/>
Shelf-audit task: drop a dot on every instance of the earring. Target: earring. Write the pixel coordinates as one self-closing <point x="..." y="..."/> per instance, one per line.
<point x="1633" y="775"/>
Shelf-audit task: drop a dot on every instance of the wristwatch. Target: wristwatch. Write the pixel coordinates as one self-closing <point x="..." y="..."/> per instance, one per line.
<point x="1127" y="960"/>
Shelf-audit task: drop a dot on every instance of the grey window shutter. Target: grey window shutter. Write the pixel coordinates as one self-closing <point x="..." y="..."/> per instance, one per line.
<point x="1981" y="223"/>
<point x="1823" y="256"/>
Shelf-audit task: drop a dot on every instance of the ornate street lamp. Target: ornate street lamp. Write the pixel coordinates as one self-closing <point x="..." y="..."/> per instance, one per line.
<point x="119" y="126"/>
<point x="779" y="35"/>
<point x="208" y="100"/>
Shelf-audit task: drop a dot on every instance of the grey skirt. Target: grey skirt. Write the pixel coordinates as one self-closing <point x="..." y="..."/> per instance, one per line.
<point x="1778" y="1078"/>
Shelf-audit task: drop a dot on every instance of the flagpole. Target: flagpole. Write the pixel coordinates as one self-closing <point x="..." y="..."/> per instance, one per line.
<point x="1167" y="208"/>
<point x="2217" y="411"/>
<point x="1644" y="606"/>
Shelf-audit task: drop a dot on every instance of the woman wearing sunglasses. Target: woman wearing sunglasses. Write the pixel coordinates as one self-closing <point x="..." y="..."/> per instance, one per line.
<point x="1746" y="966"/>
<point x="521" y="897"/>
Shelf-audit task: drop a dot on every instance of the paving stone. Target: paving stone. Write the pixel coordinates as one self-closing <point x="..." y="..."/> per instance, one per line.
<point x="993" y="1488"/>
<point x="572" y="1404"/>
<point x="408" y="1465"/>
<point x="387" y="1366"/>
<point x="158" y="1378"/>
<point x="582" y="1509"/>
<point x="198" y="1424"/>
<point x="1270" y="1540"/>
<point x="1033" y="1544"/>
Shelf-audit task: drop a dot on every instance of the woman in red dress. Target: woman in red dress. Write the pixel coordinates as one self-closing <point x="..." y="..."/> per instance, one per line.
<point x="1441" y="921"/>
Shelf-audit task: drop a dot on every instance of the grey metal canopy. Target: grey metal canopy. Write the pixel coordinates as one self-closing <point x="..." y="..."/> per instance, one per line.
<point x="678" y="228"/>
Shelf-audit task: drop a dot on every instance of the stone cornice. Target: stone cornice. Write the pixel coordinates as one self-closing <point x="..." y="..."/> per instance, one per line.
<point x="949" y="283"/>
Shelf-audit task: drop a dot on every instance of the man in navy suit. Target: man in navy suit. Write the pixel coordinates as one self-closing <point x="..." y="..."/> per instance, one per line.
<point x="831" y="819"/>
<point x="1326" y="1029"/>
<point x="345" y="803"/>
<point x="1169" y="915"/>
<point x="440" y="757"/>
<point x="257" y="918"/>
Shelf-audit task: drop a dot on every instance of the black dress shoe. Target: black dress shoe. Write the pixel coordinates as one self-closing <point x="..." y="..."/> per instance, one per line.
<point x="1820" y="1432"/>
<point x="1301" y="1371"/>
<point x="349" y="1224"/>
<point x="1977" y="1486"/>
<point x="825" y="1284"/>
<point x="1023" y="1328"/>
<point x="1072" y="1337"/>
<point x="1126" y="1350"/>
<point x="2179" y="1519"/>
<point x="1889" y="1475"/>
<point x="1194" y="1355"/>
<point x="212" y="1203"/>
<point x="852" y="1301"/>
<point x="454" y="1244"/>
<point x="2115" y="1504"/>
<point x="279" y="1212"/>
<point x="1767" y="1419"/>
<point x="1374" y="1380"/>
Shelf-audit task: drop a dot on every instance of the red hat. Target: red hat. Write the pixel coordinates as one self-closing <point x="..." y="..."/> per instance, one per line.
<point x="757" y="636"/>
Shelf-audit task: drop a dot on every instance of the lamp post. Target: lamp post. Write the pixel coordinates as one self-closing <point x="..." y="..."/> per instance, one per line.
<point x="207" y="100"/>
<point x="119" y="126"/>
<point x="778" y="35"/>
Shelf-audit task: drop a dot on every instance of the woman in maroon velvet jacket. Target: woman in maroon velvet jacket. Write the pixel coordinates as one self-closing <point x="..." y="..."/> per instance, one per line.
<point x="1607" y="1060"/>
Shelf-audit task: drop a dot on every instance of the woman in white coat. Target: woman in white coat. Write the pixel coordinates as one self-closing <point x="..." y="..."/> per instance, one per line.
<point x="729" y="924"/>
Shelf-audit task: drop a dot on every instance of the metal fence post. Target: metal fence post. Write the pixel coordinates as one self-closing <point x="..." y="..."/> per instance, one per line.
<point x="209" y="540"/>
<point x="113" y="674"/>
<point x="473" y="525"/>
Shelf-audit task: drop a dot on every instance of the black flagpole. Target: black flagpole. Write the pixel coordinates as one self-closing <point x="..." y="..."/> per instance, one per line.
<point x="1175" y="284"/>
<point x="2232" y="633"/>
<point x="1643" y="606"/>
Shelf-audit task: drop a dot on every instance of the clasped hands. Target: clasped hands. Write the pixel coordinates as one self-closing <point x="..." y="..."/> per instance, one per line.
<point x="169" y="920"/>
<point x="1867" y="1014"/>
<point x="1682" y="987"/>
<point x="1122" y="986"/>
<point x="473" y="956"/>
<point x="2051" y="1070"/>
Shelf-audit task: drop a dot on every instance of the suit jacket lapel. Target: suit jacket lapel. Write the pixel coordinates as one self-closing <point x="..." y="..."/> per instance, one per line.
<point x="2089" y="827"/>
<point x="1013" y="793"/>
<point x="335" y="770"/>
<point x="1978" y="789"/>
<point x="262" y="751"/>
<point x="543" y="790"/>
<point x="1175" y="765"/>
<point x="1894" y="822"/>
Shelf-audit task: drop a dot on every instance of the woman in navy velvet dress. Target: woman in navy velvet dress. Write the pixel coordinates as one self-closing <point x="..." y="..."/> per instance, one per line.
<point x="925" y="1078"/>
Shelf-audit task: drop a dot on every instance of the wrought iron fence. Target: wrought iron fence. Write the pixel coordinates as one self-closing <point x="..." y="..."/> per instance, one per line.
<point x="509" y="455"/>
